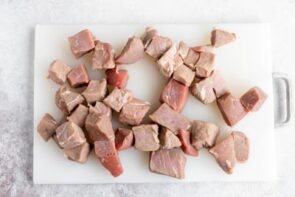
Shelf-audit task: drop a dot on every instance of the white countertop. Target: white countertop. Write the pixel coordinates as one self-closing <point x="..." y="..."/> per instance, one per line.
<point x="17" y="21"/>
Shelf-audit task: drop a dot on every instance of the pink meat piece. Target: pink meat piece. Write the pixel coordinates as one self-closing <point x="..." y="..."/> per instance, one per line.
<point x="204" y="65"/>
<point x="170" y="162"/>
<point x="132" y="52"/>
<point x="58" y="72"/>
<point x="231" y="109"/>
<point x="185" y="138"/>
<point x="184" y="75"/>
<point x="81" y="43"/>
<point x="79" y="115"/>
<point x="205" y="48"/>
<point x="183" y="50"/>
<point x="118" y="98"/>
<point x="106" y="152"/>
<point x="168" y="139"/>
<point x="220" y="37"/>
<point x="146" y="137"/>
<point x="191" y="59"/>
<point x="117" y="77"/>
<point x="46" y="127"/>
<point x="175" y="95"/>
<point x="103" y="56"/>
<point x="158" y="46"/>
<point x="241" y="144"/>
<point x="134" y="111"/>
<point x="124" y="138"/>
<point x="78" y="76"/>
<point x="78" y="153"/>
<point x="150" y="32"/>
<point x="167" y="117"/>
<point x="219" y="85"/>
<point x="95" y="91"/>
<point x="56" y="141"/>
<point x="253" y="99"/>
<point x="102" y="110"/>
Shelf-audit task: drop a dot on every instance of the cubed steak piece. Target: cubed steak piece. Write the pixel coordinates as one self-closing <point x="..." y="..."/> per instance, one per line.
<point x="104" y="56"/>
<point x="175" y="95"/>
<point x="253" y="99"/>
<point x="241" y="143"/>
<point x="191" y="59"/>
<point x="170" y="162"/>
<point x="78" y="153"/>
<point x="132" y="52"/>
<point x="219" y="85"/>
<point x="106" y="152"/>
<point x="220" y="37"/>
<point x="79" y="115"/>
<point x="168" y="139"/>
<point x="46" y="127"/>
<point x="231" y="109"/>
<point x="134" y="111"/>
<point x="102" y="110"/>
<point x="169" y="61"/>
<point x="167" y="117"/>
<point x="204" y="134"/>
<point x="58" y="72"/>
<point x="146" y="137"/>
<point x="184" y="75"/>
<point x="70" y="135"/>
<point x="78" y="76"/>
<point x="95" y="91"/>
<point x="56" y="141"/>
<point x="158" y="46"/>
<point x="81" y="43"/>
<point x="118" y="98"/>
<point x="205" y="48"/>
<point x="124" y="138"/>
<point x="67" y="100"/>
<point x="185" y="138"/>
<point x="204" y="65"/>
<point x="150" y="32"/>
<point x="117" y="77"/>
<point x="183" y="50"/>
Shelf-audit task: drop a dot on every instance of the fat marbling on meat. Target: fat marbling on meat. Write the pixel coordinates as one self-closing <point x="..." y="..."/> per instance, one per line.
<point x="79" y="115"/>
<point x="95" y="91"/>
<point x="46" y="127"/>
<point x="78" y="76"/>
<point x="118" y="98"/>
<point x="132" y="52"/>
<point x="103" y="56"/>
<point x="78" y="153"/>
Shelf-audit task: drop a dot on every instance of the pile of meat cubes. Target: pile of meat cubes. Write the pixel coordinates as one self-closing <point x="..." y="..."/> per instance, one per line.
<point x="87" y="105"/>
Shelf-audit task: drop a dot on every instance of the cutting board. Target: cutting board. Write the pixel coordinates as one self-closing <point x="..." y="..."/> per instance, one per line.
<point x="244" y="63"/>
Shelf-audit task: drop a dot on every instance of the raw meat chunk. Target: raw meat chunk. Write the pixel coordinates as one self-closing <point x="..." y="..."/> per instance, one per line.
<point x="81" y="43"/>
<point x="78" y="153"/>
<point x="219" y="85"/>
<point x="46" y="127"/>
<point x="102" y="110"/>
<point x="205" y="48"/>
<point x="123" y="138"/>
<point x="56" y="141"/>
<point x="95" y="91"/>
<point x="150" y="32"/>
<point x="117" y="77"/>
<point x="170" y="162"/>
<point x="191" y="59"/>
<point x="170" y="119"/>
<point x="220" y="37"/>
<point x="58" y="72"/>
<point x="104" y="56"/>
<point x="168" y="139"/>
<point x="184" y="75"/>
<point x="79" y="115"/>
<point x="241" y="143"/>
<point x="146" y="137"/>
<point x="158" y="46"/>
<point x="132" y="52"/>
<point x="175" y="95"/>
<point x="78" y="76"/>
<point x="185" y="138"/>
<point x="204" y="65"/>
<point x="118" y="98"/>
<point x="134" y="111"/>
<point x="183" y="50"/>
<point x="253" y="99"/>
<point x="204" y="134"/>
<point x="106" y="152"/>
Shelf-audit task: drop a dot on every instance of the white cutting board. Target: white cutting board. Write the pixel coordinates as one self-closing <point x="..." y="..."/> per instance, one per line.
<point x="244" y="63"/>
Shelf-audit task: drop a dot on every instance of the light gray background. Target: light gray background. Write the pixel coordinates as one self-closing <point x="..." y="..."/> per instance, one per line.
<point x="17" y="21"/>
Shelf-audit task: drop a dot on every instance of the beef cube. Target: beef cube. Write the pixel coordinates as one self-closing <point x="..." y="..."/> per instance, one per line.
<point x="78" y="76"/>
<point x="104" y="56"/>
<point x="204" y="65"/>
<point x="79" y="115"/>
<point x="170" y="162"/>
<point x="133" y="112"/>
<point x="167" y="117"/>
<point x="146" y="137"/>
<point x="224" y="154"/>
<point x="175" y="95"/>
<point x="191" y="59"/>
<point x="106" y="152"/>
<point x="219" y="85"/>
<point x="78" y="153"/>
<point x="169" y="61"/>
<point x="46" y="127"/>
<point x="204" y="134"/>
<point x="95" y="91"/>
<point x="117" y="77"/>
<point x="231" y="109"/>
<point x="241" y="144"/>
<point x="205" y="48"/>
<point x="158" y="46"/>
<point x="184" y="75"/>
<point x="185" y="138"/>
<point x="168" y="139"/>
<point x="102" y="110"/>
<point x="81" y="43"/>
<point x="58" y="72"/>
<point x="118" y="98"/>
<point x="253" y="99"/>
<point x="56" y="141"/>
<point x="123" y="138"/>
<point x="132" y="52"/>
<point x="70" y="135"/>
<point x="220" y="37"/>
<point x="150" y="32"/>
<point x="67" y="100"/>
<point x="183" y="50"/>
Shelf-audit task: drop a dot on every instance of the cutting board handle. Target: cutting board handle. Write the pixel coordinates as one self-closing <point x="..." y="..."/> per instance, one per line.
<point x="283" y="108"/>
